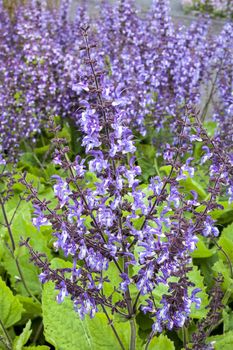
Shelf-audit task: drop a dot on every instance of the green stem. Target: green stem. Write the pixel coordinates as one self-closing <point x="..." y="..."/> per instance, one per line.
<point x="132" y="334"/>
<point x="9" y="341"/>
<point x="38" y="332"/>
<point x="8" y="226"/>
<point x="185" y="336"/>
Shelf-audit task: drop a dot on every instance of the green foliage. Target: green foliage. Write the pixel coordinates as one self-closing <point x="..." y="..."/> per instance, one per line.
<point x="21" y="340"/>
<point x="226" y="242"/>
<point x="198" y="280"/>
<point x="22" y="227"/>
<point x="10" y="307"/>
<point x="221" y="267"/>
<point x="64" y="329"/>
<point x="147" y="160"/>
<point x="222" y="342"/>
<point x="161" y="343"/>
<point x="202" y="251"/>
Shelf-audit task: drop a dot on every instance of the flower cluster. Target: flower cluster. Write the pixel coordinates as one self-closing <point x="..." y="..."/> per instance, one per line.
<point x="158" y="66"/>
<point x="38" y="69"/>
<point x="106" y="220"/>
<point x="223" y="85"/>
<point x="154" y="67"/>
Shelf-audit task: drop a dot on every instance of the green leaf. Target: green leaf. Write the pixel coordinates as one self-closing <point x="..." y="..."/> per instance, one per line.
<point x="161" y="343"/>
<point x="22" y="339"/>
<point x="31" y="308"/>
<point x="41" y="151"/>
<point x="23" y="227"/>
<point x="146" y="160"/>
<point x="227" y="319"/>
<point x="210" y="126"/>
<point x="166" y="169"/>
<point x="64" y="329"/>
<point x="202" y="251"/>
<point x="196" y="277"/>
<point x="10" y="307"/>
<point x="222" y="342"/>
<point x="223" y="268"/>
<point x="115" y="280"/>
<point x="65" y="132"/>
<point x="191" y="184"/>
<point x="226" y="242"/>
<point x="223" y="216"/>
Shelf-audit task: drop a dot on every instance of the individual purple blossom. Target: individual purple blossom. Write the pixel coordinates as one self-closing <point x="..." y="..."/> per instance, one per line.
<point x="62" y="292"/>
<point x="61" y="190"/>
<point x="209" y="228"/>
<point x="40" y="219"/>
<point x="2" y="160"/>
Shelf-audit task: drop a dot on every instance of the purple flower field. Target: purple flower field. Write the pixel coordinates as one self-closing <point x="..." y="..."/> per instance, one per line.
<point x="116" y="178"/>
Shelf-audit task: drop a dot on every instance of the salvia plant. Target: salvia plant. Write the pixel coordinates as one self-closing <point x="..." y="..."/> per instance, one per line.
<point x="116" y="180"/>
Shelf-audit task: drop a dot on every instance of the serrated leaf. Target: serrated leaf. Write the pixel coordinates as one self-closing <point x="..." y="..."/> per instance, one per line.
<point x="227" y="319"/>
<point x="10" y="307"/>
<point x="228" y="232"/>
<point x="64" y="329"/>
<point x="22" y="339"/>
<point x="161" y="343"/>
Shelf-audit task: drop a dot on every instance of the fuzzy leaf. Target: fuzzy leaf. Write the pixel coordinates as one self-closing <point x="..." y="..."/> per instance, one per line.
<point x="10" y="307"/>
<point x="64" y="329"/>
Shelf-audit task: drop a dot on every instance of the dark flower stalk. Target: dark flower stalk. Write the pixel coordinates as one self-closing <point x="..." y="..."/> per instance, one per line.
<point x="7" y="178"/>
<point x="205" y="327"/>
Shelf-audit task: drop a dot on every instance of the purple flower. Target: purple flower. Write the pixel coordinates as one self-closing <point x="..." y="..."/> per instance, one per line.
<point x="61" y="190"/>
<point x="62" y="292"/>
